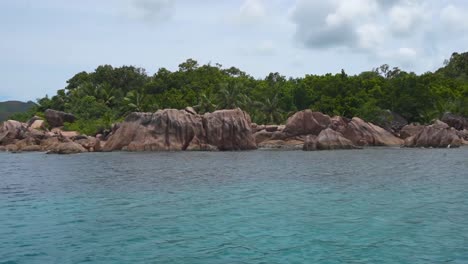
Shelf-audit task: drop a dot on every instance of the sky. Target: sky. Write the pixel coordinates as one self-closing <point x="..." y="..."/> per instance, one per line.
<point x="44" y="43"/>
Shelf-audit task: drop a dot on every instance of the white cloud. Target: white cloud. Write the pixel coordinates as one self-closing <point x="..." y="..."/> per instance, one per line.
<point x="393" y="30"/>
<point x="406" y="18"/>
<point x="454" y="18"/>
<point x="370" y="36"/>
<point x="265" y="48"/>
<point x="251" y="11"/>
<point x="261" y="48"/>
<point x="150" y="10"/>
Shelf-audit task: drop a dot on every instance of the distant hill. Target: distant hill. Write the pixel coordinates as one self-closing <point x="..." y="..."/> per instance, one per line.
<point x="12" y="107"/>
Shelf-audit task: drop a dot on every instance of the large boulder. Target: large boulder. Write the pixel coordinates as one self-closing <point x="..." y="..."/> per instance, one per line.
<point x="391" y="121"/>
<point x="12" y="131"/>
<point x="262" y="135"/>
<point x="362" y="133"/>
<point x="435" y="136"/>
<point x="58" y="118"/>
<point x="168" y="129"/>
<point x="306" y="122"/>
<point x="67" y="134"/>
<point x="91" y="144"/>
<point x="66" y="148"/>
<point x="28" y="142"/>
<point x="339" y="123"/>
<point x="229" y="130"/>
<point x="410" y="130"/>
<point x="328" y="139"/>
<point x="172" y="129"/>
<point x="37" y="124"/>
<point x="456" y="121"/>
<point x="294" y="143"/>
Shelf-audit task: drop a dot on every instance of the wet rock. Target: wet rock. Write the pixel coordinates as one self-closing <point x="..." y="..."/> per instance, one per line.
<point x="58" y="118"/>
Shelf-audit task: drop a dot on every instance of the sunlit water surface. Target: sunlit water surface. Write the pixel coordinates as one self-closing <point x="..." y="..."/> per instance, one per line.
<point x="364" y="206"/>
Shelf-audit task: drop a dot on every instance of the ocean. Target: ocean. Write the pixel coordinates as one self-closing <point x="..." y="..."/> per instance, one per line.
<point x="376" y="205"/>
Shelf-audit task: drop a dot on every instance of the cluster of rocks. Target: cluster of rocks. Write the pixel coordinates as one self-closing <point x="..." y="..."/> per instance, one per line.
<point x="35" y="136"/>
<point x="172" y="130"/>
<point x="316" y="131"/>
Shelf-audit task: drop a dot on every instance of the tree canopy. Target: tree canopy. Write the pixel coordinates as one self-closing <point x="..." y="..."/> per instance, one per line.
<point x="109" y="93"/>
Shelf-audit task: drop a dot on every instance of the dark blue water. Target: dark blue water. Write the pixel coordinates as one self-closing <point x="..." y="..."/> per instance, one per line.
<point x="365" y="206"/>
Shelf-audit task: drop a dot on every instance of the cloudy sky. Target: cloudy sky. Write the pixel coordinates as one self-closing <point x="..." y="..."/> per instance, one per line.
<point x="44" y="43"/>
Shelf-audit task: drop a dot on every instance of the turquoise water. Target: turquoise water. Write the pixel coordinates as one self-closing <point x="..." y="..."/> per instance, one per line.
<point x="364" y="206"/>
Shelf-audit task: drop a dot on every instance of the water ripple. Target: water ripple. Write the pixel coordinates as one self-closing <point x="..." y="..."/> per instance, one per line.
<point x="369" y="206"/>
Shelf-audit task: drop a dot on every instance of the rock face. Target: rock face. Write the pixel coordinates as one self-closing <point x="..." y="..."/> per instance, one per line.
<point x="37" y="124"/>
<point x="455" y="121"/>
<point x="392" y="122"/>
<point x="58" y="118"/>
<point x="367" y="134"/>
<point x="66" y="148"/>
<point x="328" y="139"/>
<point x="18" y="137"/>
<point x="294" y="143"/>
<point x="306" y="122"/>
<point x="11" y="131"/>
<point x="172" y="129"/>
<point x="410" y="130"/>
<point x="229" y="130"/>
<point x="435" y="136"/>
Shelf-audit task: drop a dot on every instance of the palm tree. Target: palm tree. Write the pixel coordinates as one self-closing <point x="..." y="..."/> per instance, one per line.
<point x="251" y="106"/>
<point x="271" y="110"/>
<point x="135" y="101"/>
<point x="204" y="104"/>
<point x="229" y="96"/>
<point x="105" y="93"/>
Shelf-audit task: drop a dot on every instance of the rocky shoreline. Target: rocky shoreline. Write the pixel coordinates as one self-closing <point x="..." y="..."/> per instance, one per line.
<point x="226" y="130"/>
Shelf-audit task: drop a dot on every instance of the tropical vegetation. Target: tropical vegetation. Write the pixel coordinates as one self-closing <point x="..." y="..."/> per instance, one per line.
<point x="109" y="93"/>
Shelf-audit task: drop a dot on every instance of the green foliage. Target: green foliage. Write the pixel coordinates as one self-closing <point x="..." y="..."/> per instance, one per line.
<point x="107" y="94"/>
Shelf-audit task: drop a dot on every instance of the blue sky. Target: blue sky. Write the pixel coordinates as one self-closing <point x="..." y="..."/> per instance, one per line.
<point x="44" y="43"/>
